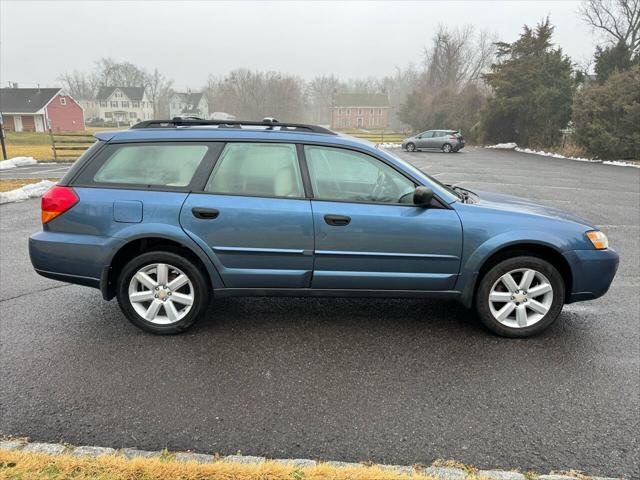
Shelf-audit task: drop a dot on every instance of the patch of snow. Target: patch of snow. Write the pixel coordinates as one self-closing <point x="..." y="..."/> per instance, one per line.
<point x="620" y="163"/>
<point x="26" y="192"/>
<point x="513" y="146"/>
<point x="503" y="146"/>
<point x="554" y="155"/>
<point x="17" y="162"/>
<point x="389" y="145"/>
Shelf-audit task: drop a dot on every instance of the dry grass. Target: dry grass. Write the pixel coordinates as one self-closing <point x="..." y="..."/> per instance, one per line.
<point x="36" y="145"/>
<point x="12" y="184"/>
<point x="41" y="152"/>
<point x="16" y="465"/>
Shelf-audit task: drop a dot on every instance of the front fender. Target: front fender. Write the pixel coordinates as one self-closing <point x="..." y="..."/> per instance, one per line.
<point x="474" y="259"/>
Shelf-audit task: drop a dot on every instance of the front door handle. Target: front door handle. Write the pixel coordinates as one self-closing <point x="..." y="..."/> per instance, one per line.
<point x="337" y="220"/>
<point x="205" y="213"/>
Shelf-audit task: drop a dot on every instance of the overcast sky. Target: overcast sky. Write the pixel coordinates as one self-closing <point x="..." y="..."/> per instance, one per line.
<point x="189" y="40"/>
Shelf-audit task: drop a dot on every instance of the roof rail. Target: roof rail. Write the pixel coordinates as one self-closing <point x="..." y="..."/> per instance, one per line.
<point x="197" y="122"/>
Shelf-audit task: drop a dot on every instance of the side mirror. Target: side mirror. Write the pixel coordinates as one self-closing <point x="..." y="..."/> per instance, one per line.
<point x="422" y="196"/>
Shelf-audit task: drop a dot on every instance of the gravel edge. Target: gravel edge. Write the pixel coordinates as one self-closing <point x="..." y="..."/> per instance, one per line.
<point x="440" y="472"/>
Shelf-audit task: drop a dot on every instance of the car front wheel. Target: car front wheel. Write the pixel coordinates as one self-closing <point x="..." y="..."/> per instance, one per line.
<point x="162" y="292"/>
<point x="520" y="296"/>
<point x="411" y="147"/>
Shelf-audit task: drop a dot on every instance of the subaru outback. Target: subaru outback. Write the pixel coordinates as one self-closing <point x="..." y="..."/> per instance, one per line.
<point x="170" y="214"/>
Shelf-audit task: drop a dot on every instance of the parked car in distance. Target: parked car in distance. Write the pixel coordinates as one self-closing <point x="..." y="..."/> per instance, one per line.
<point x="171" y="214"/>
<point x="449" y="141"/>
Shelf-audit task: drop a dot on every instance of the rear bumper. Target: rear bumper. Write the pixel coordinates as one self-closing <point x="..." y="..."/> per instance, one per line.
<point x="592" y="272"/>
<point x="72" y="258"/>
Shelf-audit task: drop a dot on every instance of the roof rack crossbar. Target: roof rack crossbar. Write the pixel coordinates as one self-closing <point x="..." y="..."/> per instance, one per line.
<point x="193" y="122"/>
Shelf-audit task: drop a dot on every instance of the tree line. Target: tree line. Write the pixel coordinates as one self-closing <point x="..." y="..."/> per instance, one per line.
<point x="527" y="91"/>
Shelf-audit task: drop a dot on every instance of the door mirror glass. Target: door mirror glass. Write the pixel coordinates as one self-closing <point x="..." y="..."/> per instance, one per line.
<point x="422" y="196"/>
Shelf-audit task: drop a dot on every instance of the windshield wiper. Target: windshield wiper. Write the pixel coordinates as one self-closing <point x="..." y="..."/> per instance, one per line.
<point x="463" y="192"/>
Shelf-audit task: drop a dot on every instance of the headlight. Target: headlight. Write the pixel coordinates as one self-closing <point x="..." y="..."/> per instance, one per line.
<point x="598" y="239"/>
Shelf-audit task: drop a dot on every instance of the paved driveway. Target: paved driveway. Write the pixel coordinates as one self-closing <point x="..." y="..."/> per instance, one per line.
<point x="394" y="381"/>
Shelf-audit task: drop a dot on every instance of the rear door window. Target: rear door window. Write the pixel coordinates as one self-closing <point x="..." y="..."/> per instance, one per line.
<point x="257" y="169"/>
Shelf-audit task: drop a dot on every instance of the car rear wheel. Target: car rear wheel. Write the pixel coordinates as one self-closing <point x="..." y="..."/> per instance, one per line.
<point x="520" y="296"/>
<point x="447" y="148"/>
<point x="411" y="147"/>
<point x="162" y="292"/>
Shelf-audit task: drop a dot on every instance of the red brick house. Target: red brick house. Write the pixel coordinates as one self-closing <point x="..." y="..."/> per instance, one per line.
<point x="37" y="109"/>
<point x="360" y="110"/>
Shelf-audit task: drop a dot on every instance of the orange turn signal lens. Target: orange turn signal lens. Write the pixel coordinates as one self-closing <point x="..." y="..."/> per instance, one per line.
<point x="598" y="239"/>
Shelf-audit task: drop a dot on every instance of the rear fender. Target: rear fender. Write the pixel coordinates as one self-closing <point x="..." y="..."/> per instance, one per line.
<point x="168" y="232"/>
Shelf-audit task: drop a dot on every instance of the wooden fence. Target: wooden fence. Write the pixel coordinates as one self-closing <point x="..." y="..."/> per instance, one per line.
<point x="69" y="146"/>
<point x="378" y="137"/>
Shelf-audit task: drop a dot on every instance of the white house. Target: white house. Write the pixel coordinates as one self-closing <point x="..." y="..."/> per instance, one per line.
<point x="189" y="104"/>
<point x="122" y="105"/>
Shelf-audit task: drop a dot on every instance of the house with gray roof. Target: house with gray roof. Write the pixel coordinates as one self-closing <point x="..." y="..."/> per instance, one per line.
<point x="39" y="109"/>
<point x="360" y="110"/>
<point x="189" y="104"/>
<point x="122" y="105"/>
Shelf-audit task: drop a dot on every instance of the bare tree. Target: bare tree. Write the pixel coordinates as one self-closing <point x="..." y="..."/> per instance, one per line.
<point x="617" y="19"/>
<point x="111" y="73"/>
<point x="159" y="89"/>
<point x="320" y="92"/>
<point x="253" y="95"/>
<point x="450" y="90"/>
<point x="79" y="85"/>
<point x="458" y="57"/>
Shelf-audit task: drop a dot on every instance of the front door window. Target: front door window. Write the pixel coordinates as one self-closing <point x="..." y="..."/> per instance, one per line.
<point x="346" y="175"/>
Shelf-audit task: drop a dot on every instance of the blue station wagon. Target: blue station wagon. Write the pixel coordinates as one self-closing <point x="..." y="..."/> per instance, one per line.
<point x="170" y="214"/>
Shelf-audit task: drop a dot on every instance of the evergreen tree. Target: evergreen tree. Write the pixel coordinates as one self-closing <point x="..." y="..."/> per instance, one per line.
<point x="607" y="116"/>
<point x="610" y="60"/>
<point x="533" y="85"/>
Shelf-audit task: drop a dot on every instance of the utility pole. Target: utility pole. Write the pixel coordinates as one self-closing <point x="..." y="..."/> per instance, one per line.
<point x="4" y="149"/>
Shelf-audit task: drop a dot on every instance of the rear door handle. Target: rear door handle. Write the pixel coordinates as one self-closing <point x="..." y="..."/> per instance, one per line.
<point x="205" y="213"/>
<point x="337" y="220"/>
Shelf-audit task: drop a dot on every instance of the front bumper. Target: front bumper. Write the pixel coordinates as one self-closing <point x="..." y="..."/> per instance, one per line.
<point x="592" y="272"/>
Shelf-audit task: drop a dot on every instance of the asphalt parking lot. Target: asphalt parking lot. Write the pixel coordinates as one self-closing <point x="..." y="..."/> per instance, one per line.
<point x="40" y="170"/>
<point x="393" y="381"/>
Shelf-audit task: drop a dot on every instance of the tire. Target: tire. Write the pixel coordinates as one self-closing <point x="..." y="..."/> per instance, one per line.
<point x="171" y="310"/>
<point x="411" y="147"/>
<point x="447" y="148"/>
<point x="540" y="305"/>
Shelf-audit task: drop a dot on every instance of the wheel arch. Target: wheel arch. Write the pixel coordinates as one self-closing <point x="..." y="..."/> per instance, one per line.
<point x="148" y="242"/>
<point x="538" y="249"/>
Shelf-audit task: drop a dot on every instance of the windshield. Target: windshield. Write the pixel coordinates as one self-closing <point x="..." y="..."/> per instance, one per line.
<point x="420" y="173"/>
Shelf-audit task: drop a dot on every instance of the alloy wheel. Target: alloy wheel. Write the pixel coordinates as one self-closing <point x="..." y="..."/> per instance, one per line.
<point x="161" y="293"/>
<point x="520" y="298"/>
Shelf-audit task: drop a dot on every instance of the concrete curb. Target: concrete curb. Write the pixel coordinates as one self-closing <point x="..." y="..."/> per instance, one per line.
<point x="440" y="472"/>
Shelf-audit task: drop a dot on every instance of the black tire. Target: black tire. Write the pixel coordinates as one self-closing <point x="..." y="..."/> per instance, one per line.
<point x="411" y="147"/>
<point x="521" y="262"/>
<point x="447" y="148"/>
<point x="201" y="291"/>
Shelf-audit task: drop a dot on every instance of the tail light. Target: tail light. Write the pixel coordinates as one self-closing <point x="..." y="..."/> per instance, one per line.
<point x="56" y="201"/>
